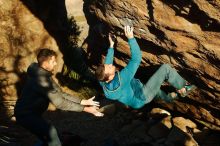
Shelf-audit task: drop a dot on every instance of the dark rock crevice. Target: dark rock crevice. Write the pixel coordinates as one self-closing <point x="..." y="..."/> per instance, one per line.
<point x="190" y="10"/>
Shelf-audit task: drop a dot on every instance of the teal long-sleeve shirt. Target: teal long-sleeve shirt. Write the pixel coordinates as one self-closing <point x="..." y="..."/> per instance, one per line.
<point x="124" y="87"/>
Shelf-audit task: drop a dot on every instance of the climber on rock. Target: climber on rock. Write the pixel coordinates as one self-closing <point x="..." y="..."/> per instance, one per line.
<point x="122" y="86"/>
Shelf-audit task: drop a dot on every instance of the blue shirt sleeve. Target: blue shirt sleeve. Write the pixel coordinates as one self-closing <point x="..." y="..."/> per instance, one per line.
<point x="110" y="56"/>
<point x="129" y="71"/>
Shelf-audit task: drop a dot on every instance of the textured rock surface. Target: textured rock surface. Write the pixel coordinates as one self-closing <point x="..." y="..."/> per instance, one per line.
<point x="22" y="34"/>
<point x="75" y="9"/>
<point x="125" y="128"/>
<point x="26" y="26"/>
<point x="182" y="33"/>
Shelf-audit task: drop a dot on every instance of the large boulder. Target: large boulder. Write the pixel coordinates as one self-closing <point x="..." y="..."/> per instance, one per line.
<point x="184" y="34"/>
<point x="23" y="31"/>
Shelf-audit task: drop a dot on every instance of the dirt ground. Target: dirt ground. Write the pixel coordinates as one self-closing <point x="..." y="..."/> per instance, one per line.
<point x="120" y="126"/>
<point x="97" y="131"/>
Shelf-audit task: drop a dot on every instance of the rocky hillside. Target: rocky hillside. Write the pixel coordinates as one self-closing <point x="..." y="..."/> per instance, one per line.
<point x="26" y="26"/>
<point x="184" y="34"/>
